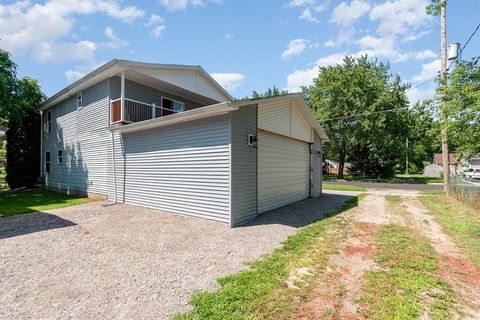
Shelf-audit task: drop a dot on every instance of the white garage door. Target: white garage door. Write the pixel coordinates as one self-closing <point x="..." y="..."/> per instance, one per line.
<point x="283" y="171"/>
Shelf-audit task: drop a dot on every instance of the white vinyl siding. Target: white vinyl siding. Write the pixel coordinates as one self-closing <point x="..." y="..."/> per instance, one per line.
<point x="84" y="139"/>
<point x="184" y="168"/>
<point x="283" y="171"/>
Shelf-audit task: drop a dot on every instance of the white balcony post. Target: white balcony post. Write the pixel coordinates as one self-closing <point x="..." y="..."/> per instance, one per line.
<point x="122" y="96"/>
<point x="153" y="110"/>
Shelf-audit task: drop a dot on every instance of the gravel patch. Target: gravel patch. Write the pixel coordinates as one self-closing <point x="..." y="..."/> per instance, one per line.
<point x="104" y="260"/>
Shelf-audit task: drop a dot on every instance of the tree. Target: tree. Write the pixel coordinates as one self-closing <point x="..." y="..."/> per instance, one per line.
<point x="462" y="98"/>
<point x="18" y="100"/>
<point x="360" y="104"/>
<point x="269" y="93"/>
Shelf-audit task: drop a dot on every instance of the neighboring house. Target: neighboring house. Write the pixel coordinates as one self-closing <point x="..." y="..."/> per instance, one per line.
<point x="473" y="163"/>
<point x="331" y="167"/>
<point x="3" y="130"/>
<point x="454" y="165"/>
<point x="169" y="137"/>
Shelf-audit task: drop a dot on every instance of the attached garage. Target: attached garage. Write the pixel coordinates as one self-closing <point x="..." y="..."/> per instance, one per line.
<point x="283" y="171"/>
<point x="228" y="162"/>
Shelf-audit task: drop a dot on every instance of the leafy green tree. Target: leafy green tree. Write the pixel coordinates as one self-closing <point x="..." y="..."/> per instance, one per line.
<point x="269" y="93"/>
<point x="362" y="108"/>
<point x="434" y="6"/>
<point x="18" y="102"/>
<point x="462" y="98"/>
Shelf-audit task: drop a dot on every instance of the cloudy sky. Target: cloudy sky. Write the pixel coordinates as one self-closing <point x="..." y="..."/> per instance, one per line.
<point x="245" y="45"/>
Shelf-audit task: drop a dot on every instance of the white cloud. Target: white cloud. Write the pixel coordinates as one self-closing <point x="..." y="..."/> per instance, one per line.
<point x="229" y="36"/>
<point x="414" y="36"/>
<point x="179" y="5"/>
<point x="345" y="15"/>
<point x="230" y="81"/>
<point x="73" y="75"/>
<point x="345" y="35"/>
<point x="114" y="42"/>
<point x="429" y="71"/>
<point x="295" y="48"/>
<point x="157" y="23"/>
<point x="416" y="94"/>
<point x="299" y="3"/>
<point x="42" y="30"/>
<point x="425" y="54"/>
<point x="299" y="78"/>
<point x="400" y="16"/>
<point x="307" y="16"/>
<point x="61" y="52"/>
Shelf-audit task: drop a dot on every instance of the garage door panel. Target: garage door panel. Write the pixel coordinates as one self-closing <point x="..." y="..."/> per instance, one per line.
<point x="283" y="171"/>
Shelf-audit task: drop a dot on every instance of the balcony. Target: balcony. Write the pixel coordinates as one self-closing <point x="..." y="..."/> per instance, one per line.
<point x="136" y="111"/>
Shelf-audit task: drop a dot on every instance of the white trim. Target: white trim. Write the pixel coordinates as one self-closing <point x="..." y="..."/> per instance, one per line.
<point x="41" y="143"/>
<point x="230" y="171"/>
<point x="122" y="96"/>
<point x="58" y="162"/>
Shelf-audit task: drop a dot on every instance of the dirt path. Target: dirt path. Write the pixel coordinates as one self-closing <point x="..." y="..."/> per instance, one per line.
<point x="339" y="288"/>
<point x="455" y="267"/>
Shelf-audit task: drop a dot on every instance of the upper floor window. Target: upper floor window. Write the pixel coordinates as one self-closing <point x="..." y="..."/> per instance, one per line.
<point x="49" y="121"/>
<point x="47" y="162"/>
<point x="59" y="156"/>
<point x="174" y="105"/>
<point x="79" y="100"/>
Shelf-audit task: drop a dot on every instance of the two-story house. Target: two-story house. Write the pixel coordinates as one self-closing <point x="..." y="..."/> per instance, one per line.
<point x="169" y="137"/>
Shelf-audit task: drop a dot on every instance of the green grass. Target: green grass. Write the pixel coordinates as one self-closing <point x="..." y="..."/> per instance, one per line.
<point x="461" y="221"/>
<point x="408" y="285"/>
<point x="342" y="187"/>
<point x="399" y="178"/>
<point x="261" y="292"/>
<point x="13" y="203"/>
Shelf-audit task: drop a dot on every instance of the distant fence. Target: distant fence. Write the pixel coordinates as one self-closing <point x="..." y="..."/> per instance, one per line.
<point x="467" y="190"/>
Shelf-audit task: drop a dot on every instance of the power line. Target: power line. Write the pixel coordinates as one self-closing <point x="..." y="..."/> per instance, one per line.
<point x="371" y="113"/>
<point x="464" y="46"/>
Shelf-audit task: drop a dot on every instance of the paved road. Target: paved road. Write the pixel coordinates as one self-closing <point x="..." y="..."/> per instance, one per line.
<point x="403" y="186"/>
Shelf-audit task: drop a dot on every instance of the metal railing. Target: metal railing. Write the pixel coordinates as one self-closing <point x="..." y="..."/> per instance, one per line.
<point x="465" y="189"/>
<point x="136" y="111"/>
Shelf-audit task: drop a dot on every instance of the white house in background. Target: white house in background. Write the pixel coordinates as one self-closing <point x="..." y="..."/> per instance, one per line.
<point x="3" y="130"/>
<point x="171" y="138"/>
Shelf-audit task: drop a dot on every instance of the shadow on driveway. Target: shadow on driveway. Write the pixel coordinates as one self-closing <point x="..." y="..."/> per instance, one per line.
<point x="31" y="223"/>
<point x="304" y="212"/>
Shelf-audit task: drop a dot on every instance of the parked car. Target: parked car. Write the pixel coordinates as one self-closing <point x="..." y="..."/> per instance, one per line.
<point x="472" y="173"/>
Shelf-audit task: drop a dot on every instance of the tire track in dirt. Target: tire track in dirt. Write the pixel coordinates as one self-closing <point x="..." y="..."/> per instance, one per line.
<point x="454" y="267"/>
<point x="340" y="286"/>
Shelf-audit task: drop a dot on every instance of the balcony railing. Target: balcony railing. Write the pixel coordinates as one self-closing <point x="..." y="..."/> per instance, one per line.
<point x="136" y="111"/>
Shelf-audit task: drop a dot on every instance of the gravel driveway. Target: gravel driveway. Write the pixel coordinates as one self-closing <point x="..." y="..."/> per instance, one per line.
<point x="101" y="260"/>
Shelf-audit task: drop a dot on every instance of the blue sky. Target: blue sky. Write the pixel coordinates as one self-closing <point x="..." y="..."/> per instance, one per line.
<point x="245" y="45"/>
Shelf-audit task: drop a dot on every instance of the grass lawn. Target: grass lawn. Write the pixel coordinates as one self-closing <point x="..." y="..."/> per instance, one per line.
<point x="260" y="292"/>
<point x="461" y="221"/>
<point x="399" y="178"/>
<point x="341" y="187"/>
<point x="12" y="203"/>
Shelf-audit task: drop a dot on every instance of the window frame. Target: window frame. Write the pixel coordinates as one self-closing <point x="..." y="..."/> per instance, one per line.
<point x="49" y="121"/>
<point x="79" y="98"/>
<point x="173" y="103"/>
<point x="48" y="162"/>
<point x="60" y="156"/>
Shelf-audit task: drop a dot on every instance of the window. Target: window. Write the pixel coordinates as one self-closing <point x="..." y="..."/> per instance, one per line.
<point x="47" y="162"/>
<point x="49" y="121"/>
<point x="59" y="156"/>
<point x="79" y="100"/>
<point x="175" y="106"/>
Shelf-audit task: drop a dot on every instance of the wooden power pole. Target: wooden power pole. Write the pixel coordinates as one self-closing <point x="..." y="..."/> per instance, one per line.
<point x="443" y="82"/>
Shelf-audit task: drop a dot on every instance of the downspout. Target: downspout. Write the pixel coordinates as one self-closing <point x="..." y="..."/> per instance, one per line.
<point x="41" y="148"/>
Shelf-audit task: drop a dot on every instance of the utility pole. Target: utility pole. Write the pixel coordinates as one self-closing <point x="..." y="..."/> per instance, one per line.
<point x="443" y="82"/>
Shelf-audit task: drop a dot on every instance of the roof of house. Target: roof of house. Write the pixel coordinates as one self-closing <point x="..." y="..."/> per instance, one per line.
<point x="114" y="67"/>
<point x="438" y="159"/>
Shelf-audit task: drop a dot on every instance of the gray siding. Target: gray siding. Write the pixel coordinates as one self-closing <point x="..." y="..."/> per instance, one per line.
<point x="84" y="138"/>
<point x="316" y="165"/>
<point x="146" y="94"/>
<point x="183" y="168"/>
<point x="244" y="166"/>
